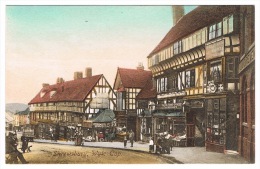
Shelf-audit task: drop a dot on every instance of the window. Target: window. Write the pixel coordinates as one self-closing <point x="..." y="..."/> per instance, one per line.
<point x="131" y="94"/>
<point x="216" y="71"/>
<point x="177" y="47"/>
<point x="190" y="78"/>
<point x="162" y="84"/>
<point x="215" y="30"/>
<point x="154" y="60"/>
<point x="228" y="24"/>
<point x="175" y="83"/>
<point x="232" y="63"/>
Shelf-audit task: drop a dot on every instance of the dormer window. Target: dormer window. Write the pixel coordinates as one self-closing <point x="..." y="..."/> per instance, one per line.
<point x="52" y="93"/>
<point x="42" y="94"/>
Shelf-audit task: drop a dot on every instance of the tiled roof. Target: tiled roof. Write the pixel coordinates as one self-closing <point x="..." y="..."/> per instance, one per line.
<point x="74" y="90"/>
<point x="134" y="78"/>
<point x="148" y="92"/>
<point x="198" y="18"/>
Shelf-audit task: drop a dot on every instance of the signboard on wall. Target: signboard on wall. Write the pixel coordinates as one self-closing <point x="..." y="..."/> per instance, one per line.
<point x="101" y="101"/>
<point x="215" y="49"/>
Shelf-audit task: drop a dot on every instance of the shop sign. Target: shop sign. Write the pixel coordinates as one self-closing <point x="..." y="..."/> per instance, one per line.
<point x="215" y="49"/>
<point x="247" y="60"/>
<point x="213" y="88"/>
<point x="172" y="94"/>
<point x="131" y="113"/>
<point x="196" y="104"/>
<point x="87" y="124"/>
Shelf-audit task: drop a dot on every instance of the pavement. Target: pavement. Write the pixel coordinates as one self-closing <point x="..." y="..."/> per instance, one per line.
<point x="185" y="155"/>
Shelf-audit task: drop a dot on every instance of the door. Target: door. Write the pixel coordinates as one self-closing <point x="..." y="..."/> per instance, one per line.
<point x="190" y="122"/>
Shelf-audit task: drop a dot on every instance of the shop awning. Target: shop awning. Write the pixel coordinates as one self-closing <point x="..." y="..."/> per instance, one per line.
<point x="175" y="114"/>
<point x="105" y="116"/>
<point x="159" y="114"/>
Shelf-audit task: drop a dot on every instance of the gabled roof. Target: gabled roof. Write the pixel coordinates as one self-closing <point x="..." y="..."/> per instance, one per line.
<point x="74" y="90"/>
<point x="198" y="18"/>
<point x="148" y="92"/>
<point x="133" y="78"/>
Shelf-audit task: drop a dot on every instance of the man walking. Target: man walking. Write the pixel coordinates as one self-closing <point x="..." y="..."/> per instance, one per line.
<point x="131" y="137"/>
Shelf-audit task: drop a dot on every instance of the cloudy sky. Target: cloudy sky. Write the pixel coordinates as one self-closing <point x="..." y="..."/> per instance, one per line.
<point x="46" y="42"/>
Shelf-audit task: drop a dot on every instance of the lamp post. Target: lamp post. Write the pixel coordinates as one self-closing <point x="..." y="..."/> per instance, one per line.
<point x="142" y="124"/>
<point x="151" y="107"/>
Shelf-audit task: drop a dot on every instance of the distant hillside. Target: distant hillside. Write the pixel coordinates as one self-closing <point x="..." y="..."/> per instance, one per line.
<point x="15" y="107"/>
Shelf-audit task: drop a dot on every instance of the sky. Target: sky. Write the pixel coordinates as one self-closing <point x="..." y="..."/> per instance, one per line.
<point x="43" y="43"/>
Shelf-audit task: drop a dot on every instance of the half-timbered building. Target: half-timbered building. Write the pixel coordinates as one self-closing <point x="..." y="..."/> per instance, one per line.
<point x="196" y="71"/>
<point x="62" y="106"/>
<point x="128" y="84"/>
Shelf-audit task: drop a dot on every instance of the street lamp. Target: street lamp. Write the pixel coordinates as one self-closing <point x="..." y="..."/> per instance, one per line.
<point x="151" y="107"/>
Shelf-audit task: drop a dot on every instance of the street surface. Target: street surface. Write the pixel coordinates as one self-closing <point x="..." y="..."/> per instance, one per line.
<point x="50" y="152"/>
<point x="44" y="153"/>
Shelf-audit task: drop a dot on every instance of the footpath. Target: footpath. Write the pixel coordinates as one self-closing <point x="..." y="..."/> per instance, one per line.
<point x="186" y="155"/>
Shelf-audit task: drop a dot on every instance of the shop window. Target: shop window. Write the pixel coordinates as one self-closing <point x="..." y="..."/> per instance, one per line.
<point x="216" y="121"/>
<point x="190" y="78"/>
<point x="216" y="71"/>
<point x="215" y="30"/>
<point x="228" y="24"/>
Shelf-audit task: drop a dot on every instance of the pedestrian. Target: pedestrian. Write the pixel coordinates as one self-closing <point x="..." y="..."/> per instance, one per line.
<point x="24" y="144"/>
<point x="151" y="145"/>
<point x="125" y="140"/>
<point x="11" y="149"/>
<point x="131" y="137"/>
<point x="159" y="145"/>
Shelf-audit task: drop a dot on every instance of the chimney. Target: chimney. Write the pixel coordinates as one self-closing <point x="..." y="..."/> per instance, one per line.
<point x="140" y="66"/>
<point x="59" y="80"/>
<point x="78" y="75"/>
<point x="88" y="71"/>
<point x="178" y="13"/>
<point x="45" y="84"/>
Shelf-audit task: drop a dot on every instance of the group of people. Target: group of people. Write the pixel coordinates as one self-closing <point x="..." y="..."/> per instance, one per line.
<point x="131" y="136"/>
<point x="163" y="145"/>
<point x="11" y="149"/>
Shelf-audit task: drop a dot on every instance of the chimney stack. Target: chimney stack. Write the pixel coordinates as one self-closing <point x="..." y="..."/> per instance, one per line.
<point x="88" y="71"/>
<point x="78" y="75"/>
<point x="45" y="84"/>
<point x="178" y="13"/>
<point x="140" y="66"/>
<point x="60" y="80"/>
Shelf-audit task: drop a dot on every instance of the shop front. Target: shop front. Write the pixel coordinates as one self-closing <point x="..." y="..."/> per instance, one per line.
<point x="222" y="122"/>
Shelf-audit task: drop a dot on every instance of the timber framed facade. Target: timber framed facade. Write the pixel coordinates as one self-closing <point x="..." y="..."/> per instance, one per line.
<point x="195" y="67"/>
<point x="65" y="105"/>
